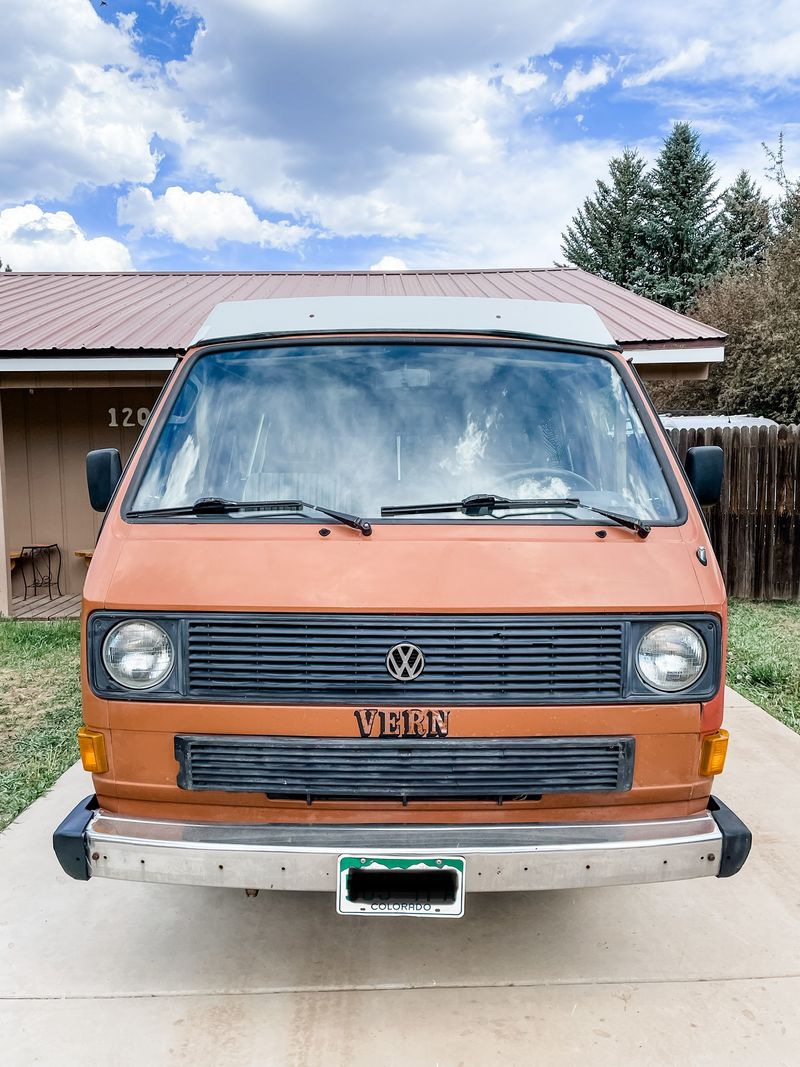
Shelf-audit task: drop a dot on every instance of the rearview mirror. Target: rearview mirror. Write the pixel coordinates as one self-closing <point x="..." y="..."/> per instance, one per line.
<point x="704" y="466"/>
<point x="103" y="471"/>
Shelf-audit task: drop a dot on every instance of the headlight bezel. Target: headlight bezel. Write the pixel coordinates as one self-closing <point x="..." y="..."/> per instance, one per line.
<point x="101" y="625"/>
<point x="130" y="683"/>
<point x="708" y="627"/>
<point x="670" y="689"/>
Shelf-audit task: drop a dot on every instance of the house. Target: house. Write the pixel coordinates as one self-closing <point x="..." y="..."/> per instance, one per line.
<point x="84" y="356"/>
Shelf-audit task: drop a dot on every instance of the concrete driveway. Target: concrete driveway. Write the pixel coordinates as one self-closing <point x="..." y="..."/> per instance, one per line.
<point x="704" y="972"/>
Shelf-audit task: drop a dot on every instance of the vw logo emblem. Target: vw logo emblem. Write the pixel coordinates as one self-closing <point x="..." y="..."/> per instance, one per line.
<point x="405" y="662"/>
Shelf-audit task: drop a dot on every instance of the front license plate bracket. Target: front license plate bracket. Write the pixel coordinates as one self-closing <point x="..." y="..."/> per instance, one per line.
<point x="428" y="886"/>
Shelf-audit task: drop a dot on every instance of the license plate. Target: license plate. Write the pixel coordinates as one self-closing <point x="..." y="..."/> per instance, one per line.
<point x="432" y="886"/>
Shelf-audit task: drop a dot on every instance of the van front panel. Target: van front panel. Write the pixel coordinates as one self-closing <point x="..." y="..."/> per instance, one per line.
<point x="476" y="665"/>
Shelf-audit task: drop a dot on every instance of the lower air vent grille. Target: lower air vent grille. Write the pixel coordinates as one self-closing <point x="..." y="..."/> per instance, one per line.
<point x="314" y="768"/>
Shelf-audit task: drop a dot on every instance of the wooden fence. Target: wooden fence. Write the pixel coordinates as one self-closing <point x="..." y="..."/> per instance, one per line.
<point x="755" y="529"/>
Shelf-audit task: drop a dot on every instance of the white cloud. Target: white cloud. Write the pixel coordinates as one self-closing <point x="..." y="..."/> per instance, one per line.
<point x="502" y="210"/>
<point x="749" y="44"/>
<point x="69" y="29"/>
<point x="32" y="239"/>
<point x="389" y="263"/>
<point x="340" y="93"/>
<point x="127" y="23"/>
<point x="78" y="105"/>
<point x="507" y="211"/>
<point x="367" y="126"/>
<point x="203" y="219"/>
<point x="579" y="81"/>
<point x="458" y="115"/>
<point x="687" y="59"/>
<point x="524" y="79"/>
<point x="425" y="124"/>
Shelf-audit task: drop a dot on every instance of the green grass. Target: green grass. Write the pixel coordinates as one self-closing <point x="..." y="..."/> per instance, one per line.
<point x="764" y="656"/>
<point x="40" y="709"/>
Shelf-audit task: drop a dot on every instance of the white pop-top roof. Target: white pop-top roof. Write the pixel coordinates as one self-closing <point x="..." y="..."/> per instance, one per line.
<point x="542" y="319"/>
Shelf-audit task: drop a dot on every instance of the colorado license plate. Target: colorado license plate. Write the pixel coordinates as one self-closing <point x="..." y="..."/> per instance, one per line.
<point x="432" y="886"/>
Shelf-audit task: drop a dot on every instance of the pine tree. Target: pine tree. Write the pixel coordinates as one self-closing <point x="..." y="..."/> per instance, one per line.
<point x="7" y="267"/>
<point x="681" y="235"/>
<point x="605" y="235"/>
<point x="744" y="223"/>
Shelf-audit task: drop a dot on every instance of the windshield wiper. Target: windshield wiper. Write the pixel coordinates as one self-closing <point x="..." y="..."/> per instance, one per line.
<point x="642" y="528"/>
<point x="486" y="503"/>
<point x="215" y="505"/>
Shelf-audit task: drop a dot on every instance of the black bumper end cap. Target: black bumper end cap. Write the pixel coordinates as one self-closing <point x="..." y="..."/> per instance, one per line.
<point x="69" y="840"/>
<point x="736" y="838"/>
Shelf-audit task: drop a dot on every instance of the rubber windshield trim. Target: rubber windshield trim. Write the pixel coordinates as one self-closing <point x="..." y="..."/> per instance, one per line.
<point x="655" y="436"/>
<point x="684" y="478"/>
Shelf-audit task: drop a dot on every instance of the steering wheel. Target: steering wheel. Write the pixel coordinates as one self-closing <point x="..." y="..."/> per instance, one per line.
<point x="570" y="476"/>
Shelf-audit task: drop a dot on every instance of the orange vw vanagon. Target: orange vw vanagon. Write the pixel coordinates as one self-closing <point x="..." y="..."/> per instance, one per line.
<point x="403" y="599"/>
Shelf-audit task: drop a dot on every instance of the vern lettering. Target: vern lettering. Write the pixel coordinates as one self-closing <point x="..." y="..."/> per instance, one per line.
<point x="410" y="722"/>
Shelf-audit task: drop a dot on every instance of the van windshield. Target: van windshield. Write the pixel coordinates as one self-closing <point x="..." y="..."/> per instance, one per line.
<point x="359" y="427"/>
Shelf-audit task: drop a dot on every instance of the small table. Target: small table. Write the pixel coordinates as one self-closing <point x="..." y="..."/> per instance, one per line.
<point x="41" y="568"/>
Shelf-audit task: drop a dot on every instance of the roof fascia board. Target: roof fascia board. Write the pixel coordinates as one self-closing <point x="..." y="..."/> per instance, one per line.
<point x="57" y="364"/>
<point x="655" y="356"/>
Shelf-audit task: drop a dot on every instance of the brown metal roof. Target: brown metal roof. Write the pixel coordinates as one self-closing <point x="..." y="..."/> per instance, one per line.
<point x="160" y="312"/>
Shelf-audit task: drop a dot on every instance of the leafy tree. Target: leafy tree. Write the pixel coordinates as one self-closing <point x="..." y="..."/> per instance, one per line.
<point x="6" y="267"/>
<point x="786" y="209"/>
<point x="744" y="223"/>
<point x="605" y="234"/>
<point x="759" y="308"/>
<point x="763" y="349"/>
<point x="681" y="237"/>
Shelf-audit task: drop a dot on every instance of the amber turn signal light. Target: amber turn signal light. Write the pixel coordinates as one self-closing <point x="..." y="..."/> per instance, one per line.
<point x="93" y="750"/>
<point x="713" y="753"/>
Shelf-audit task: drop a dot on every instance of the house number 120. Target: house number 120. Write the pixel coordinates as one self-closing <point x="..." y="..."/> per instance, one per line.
<point x="126" y="417"/>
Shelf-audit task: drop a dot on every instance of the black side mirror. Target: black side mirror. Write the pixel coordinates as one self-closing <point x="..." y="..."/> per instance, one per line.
<point x="704" y="466"/>
<point x="103" y="471"/>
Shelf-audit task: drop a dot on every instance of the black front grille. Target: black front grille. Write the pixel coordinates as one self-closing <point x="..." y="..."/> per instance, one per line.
<point x="469" y="659"/>
<point x="315" y="768"/>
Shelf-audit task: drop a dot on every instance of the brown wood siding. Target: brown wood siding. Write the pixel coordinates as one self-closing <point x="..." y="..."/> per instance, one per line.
<point x="47" y="434"/>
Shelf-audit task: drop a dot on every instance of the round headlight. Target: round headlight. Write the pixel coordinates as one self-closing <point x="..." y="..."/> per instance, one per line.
<point x="671" y="657"/>
<point x="138" y="654"/>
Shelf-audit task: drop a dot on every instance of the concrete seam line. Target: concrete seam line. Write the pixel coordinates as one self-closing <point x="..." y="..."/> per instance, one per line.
<point x="395" y="988"/>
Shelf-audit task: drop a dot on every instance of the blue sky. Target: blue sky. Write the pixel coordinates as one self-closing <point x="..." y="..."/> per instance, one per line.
<point x="311" y="134"/>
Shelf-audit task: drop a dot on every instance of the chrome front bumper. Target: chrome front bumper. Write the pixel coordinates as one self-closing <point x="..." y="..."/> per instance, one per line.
<point x="92" y="843"/>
